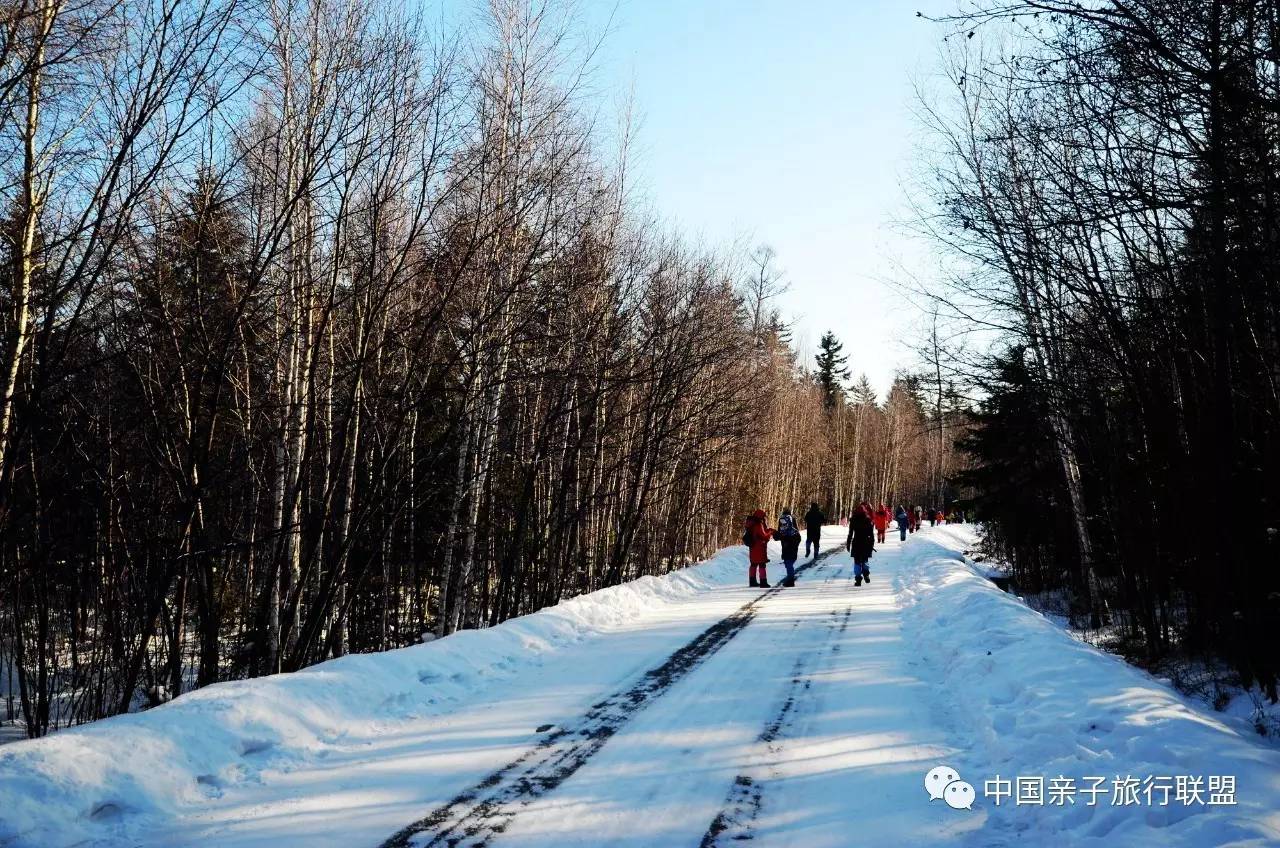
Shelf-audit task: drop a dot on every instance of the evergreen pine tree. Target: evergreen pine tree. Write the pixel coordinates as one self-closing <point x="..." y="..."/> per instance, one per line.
<point x="862" y="394"/>
<point x="831" y="368"/>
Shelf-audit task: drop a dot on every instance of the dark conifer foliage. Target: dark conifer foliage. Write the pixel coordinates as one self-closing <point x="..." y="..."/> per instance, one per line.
<point x="832" y="368"/>
<point x="1111" y="186"/>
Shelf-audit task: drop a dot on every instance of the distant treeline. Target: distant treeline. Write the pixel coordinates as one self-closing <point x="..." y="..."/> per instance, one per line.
<point x="320" y="331"/>
<point x="1108" y="176"/>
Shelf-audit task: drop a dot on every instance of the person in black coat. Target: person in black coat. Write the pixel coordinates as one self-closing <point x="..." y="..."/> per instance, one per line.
<point x="813" y="521"/>
<point x="861" y="542"/>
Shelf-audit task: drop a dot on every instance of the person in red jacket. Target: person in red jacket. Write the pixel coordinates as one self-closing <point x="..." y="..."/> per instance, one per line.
<point x="759" y="535"/>
<point x="881" y="520"/>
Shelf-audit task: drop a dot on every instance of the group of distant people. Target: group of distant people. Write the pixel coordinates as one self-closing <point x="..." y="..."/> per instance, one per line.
<point x="867" y="525"/>
<point x="910" y="520"/>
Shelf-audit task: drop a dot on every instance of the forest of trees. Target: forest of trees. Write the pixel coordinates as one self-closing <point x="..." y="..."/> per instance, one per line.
<point x="1107" y="179"/>
<point x="322" y="331"/>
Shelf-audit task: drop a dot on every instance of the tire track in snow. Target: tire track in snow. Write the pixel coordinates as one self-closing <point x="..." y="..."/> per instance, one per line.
<point x="734" y="823"/>
<point x="478" y="814"/>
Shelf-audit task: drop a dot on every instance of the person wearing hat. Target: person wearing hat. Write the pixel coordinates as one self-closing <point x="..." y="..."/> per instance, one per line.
<point x="757" y="538"/>
<point x="789" y="534"/>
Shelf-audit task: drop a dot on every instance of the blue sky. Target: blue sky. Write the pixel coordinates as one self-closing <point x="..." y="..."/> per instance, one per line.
<point x="790" y="122"/>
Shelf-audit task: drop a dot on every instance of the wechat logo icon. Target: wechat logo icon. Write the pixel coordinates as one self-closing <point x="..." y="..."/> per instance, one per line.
<point x="943" y="782"/>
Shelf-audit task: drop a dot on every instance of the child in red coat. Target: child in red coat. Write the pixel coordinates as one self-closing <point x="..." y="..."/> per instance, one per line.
<point x="881" y="520"/>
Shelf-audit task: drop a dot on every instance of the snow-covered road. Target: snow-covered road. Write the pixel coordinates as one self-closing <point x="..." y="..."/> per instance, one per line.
<point x="791" y="727"/>
<point x="685" y="710"/>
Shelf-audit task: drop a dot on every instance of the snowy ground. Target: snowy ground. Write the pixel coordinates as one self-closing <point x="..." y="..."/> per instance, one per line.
<point x="1212" y="685"/>
<point x="686" y="710"/>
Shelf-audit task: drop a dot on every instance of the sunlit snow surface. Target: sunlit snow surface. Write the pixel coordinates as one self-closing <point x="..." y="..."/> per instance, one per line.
<point x="814" y="725"/>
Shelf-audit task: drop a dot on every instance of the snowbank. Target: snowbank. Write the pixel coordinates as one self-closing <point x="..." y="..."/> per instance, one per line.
<point x="101" y="782"/>
<point x="951" y="666"/>
<point x="1027" y="699"/>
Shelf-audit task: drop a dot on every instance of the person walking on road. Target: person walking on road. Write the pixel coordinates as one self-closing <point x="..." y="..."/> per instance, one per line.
<point x="789" y="534"/>
<point x="881" y="521"/>
<point x="756" y="538"/>
<point x="861" y="542"/>
<point x="904" y="522"/>
<point x="813" y="521"/>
